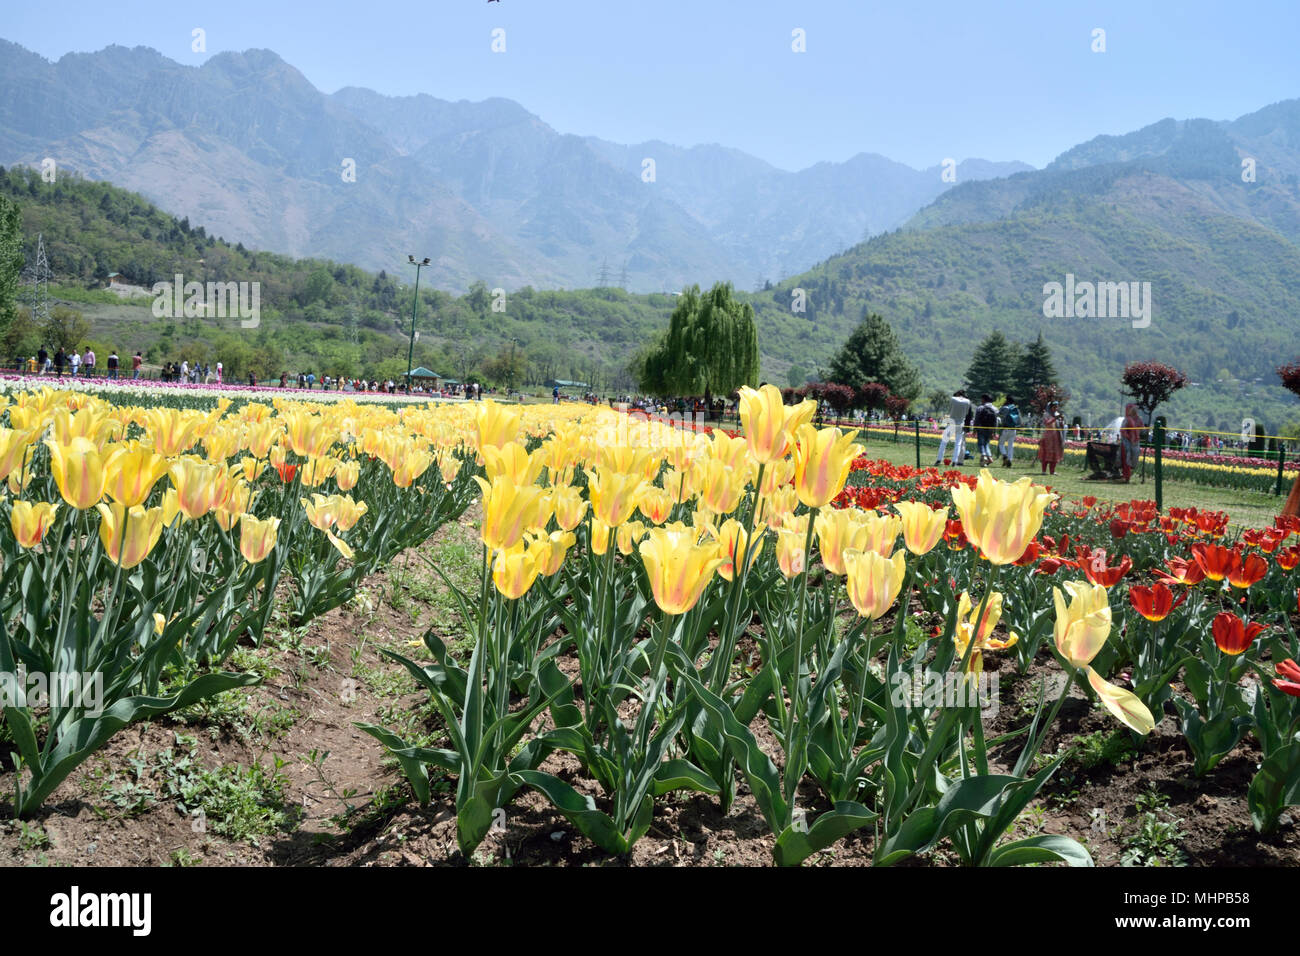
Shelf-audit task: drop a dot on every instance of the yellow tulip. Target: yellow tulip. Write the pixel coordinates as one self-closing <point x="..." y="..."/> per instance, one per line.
<point x="822" y="461"/>
<point x="1082" y="627"/>
<point x="778" y="506"/>
<point x="196" y="485"/>
<point x="19" y="479"/>
<point x="923" y="526"/>
<point x="873" y="581"/>
<point x="348" y="512"/>
<point x="130" y="473"/>
<point x="15" y="446"/>
<point x="678" y="485"/>
<point x="495" y="425"/>
<point x="308" y="434"/>
<point x="983" y="634"/>
<point x="30" y="521"/>
<point x="614" y="494"/>
<point x="171" y="506"/>
<point x="316" y="470"/>
<point x="569" y="507"/>
<point x="838" y="530"/>
<point x="791" y="539"/>
<point x="629" y="533"/>
<point x="732" y="541"/>
<point x="769" y="425"/>
<point x="514" y="570"/>
<point x="679" y="569"/>
<point x="345" y="475"/>
<point x="261" y="436"/>
<point x="732" y="452"/>
<point x="719" y="485"/>
<point x="656" y="504"/>
<point x="256" y="536"/>
<point x="412" y="466"/>
<point x="551" y="551"/>
<point x="78" y="470"/>
<point x="227" y="518"/>
<point x="251" y="469"/>
<point x="172" y="431"/>
<point x="881" y="531"/>
<point x="508" y="511"/>
<point x="512" y="461"/>
<point x="129" y="534"/>
<point x="322" y="511"/>
<point x="776" y="476"/>
<point x="600" y="536"/>
<point x="1001" y="518"/>
<point x="449" y="465"/>
<point x="221" y="443"/>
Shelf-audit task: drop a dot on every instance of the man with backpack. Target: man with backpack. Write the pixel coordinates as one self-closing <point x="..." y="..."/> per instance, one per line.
<point x="1009" y="419"/>
<point x="986" y="423"/>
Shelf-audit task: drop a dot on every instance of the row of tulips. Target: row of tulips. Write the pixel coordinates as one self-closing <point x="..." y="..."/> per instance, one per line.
<point x="644" y="607"/>
<point x="139" y="545"/>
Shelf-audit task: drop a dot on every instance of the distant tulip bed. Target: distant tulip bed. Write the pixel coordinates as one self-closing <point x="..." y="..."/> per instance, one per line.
<point x="649" y="599"/>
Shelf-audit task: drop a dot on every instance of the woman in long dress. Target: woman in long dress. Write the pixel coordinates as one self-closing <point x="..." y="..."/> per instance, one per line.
<point x="1131" y="439"/>
<point x="1051" y="446"/>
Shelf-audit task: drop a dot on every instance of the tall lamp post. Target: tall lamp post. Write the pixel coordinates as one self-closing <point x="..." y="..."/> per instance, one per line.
<point x="410" y="352"/>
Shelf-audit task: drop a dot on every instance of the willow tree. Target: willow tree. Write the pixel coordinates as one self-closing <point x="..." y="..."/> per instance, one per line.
<point x="711" y="347"/>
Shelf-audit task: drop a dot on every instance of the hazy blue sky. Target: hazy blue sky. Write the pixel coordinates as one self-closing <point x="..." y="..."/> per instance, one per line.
<point x="915" y="81"/>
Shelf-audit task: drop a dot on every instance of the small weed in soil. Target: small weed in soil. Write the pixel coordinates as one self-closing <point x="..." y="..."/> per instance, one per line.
<point x="1158" y="836"/>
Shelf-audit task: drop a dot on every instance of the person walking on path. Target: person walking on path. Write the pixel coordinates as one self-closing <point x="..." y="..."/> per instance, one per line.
<point x="220" y="369"/>
<point x="75" y="362"/>
<point x="136" y="361"/>
<point x="1051" y="446"/>
<point x="112" y="364"/>
<point x="986" y="423"/>
<point x="959" y="415"/>
<point x="88" y="362"/>
<point x="43" y="360"/>
<point x="1009" y="419"/>
<point x="60" y="360"/>
<point x="1131" y="439"/>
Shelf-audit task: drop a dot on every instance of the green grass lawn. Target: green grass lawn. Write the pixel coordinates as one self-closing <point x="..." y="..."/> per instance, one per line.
<point x="1245" y="508"/>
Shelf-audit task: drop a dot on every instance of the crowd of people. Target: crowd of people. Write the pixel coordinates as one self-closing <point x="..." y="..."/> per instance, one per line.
<point x="192" y="373"/>
<point x="77" y="363"/>
<point x="995" y="428"/>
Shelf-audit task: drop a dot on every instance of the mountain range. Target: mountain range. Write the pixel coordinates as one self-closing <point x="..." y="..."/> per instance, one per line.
<point x="245" y="145"/>
<point x="1206" y="213"/>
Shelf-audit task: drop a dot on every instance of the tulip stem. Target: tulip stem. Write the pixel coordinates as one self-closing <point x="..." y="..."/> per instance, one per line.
<point x="797" y="672"/>
<point x="973" y="712"/>
<point x="739" y="577"/>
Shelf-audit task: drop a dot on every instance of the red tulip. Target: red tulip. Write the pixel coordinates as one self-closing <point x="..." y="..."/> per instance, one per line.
<point x="1246" y="572"/>
<point x="1154" y="603"/>
<point x="1232" y="635"/>
<point x="1288" y="558"/>
<point x="1291" y="671"/>
<point x="1182" y="571"/>
<point x="1215" y="560"/>
<point x="1094" y="566"/>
